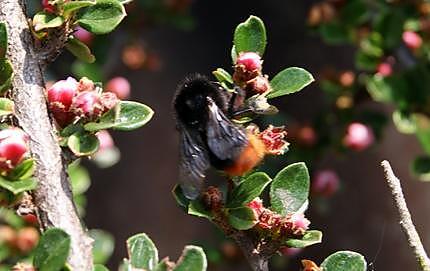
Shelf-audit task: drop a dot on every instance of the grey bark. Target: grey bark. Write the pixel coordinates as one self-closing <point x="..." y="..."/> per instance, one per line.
<point x="53" y="197"/>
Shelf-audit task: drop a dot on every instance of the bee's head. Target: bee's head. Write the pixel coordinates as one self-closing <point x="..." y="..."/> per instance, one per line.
<point x="193" y="98"/>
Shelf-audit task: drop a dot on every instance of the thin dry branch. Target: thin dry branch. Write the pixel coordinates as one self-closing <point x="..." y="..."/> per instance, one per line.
<point x="53" y="197"/>
<point x="406" y="223"/>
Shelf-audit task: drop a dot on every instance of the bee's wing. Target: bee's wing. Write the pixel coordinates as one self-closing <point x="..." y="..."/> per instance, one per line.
<point x="224" y="138"/>
<point x="193" y="163"/>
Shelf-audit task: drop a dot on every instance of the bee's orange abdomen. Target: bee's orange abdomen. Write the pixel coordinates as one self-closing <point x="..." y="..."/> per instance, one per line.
<point x="251" y="156"/>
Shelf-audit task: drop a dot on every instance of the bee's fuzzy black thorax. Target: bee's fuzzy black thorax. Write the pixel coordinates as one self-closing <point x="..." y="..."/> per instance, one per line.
<point x="190" y="101"/>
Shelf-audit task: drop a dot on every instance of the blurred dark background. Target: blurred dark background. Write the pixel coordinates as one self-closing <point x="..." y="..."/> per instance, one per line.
<point x="135" y="195"/>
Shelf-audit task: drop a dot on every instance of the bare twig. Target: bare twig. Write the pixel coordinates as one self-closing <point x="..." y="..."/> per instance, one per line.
<point x="405" y="217"/>
<point x="53" y="197"/>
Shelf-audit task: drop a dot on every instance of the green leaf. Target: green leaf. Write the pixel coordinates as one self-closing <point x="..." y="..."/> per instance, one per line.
<point x="6" y="73"/>
<point x="248" y="189"/>
<point x="103" y="17"/>
<point x="44" y="20"/>
<point x="126" y="116"/>
<point x="196" y="208"/>
<point x="222" y="76"/>
<point x="103" y="246"/>
<point x="73" y="6"/>
<point x="3" y="40"/>
<point x="308" y="239"/>
<point x="6" y="106"/>
<point x="421" y="168"/>
<point x="250" y="36"/>
<point x="17" y="187"/>
<point x="22" y="171"/>
<point x="344" y="260"/>
<point x="90" y="70"/>
<point x="80" y="50"/>
<point x="83" y="144"/>
<point x="379" y="89"/>
<point x="390" y="25"/>
<point x="142" y="252"/>
<point x="242" y="218"/>
<point x="79" y="178"/>
<point x="290" y="189"/>
<point x="99" y="267"/>
<point x="334" y="33"/>
<point x="405" y="123"/>
<point x="52" y="251"/>
<point x="180" y="198"/>
<point x="193" y="258"/>
<point x="289" y="81"/>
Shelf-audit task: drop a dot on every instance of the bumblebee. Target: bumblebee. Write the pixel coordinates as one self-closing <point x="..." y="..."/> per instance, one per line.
<point x="208" y="137"/>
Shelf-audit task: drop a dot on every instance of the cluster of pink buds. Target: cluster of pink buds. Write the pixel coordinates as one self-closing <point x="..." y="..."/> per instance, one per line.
<point x="248" y="73"/>
<point x="358" y="136"/>
<point x="70" y="100"/>
<point x="284" y="226"/>
<point x="13" y="148"/>
<point x="273" y="139"/>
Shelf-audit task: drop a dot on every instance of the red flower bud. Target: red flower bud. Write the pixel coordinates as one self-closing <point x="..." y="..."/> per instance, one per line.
<point x="250" y="61"/>
<point x="358" y="136"/>
<point x="384" y="69"/>
<point x="120" y="86"/>
<point x="412" y="40"/>
<point x="325" y="183"/>
<point x="273" y="139"/>
<point x="83" y="35"/>
<point x="87" y="105"/>
<point x="48" y="7"/>
<point x="61" y="94"/>
<point x="257" y="206"/>
<point x="13" y="147"/>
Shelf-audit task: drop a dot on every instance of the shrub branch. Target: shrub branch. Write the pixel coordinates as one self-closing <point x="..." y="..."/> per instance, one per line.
<point x="53" y="196"/>
<point x="406" y="223"/>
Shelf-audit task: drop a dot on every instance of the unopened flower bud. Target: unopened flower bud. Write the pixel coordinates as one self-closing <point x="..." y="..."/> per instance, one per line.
<point x="384" y="69"/>
<point x="250" y="61"/>
<point x="306" y="135"/>
<point x="61" y="93"/>
<point x="108" y="100"/>
<point x="212" y="198"/>
<point x="87" y="105"/>
<point x="358" y="136"/>
<point x="7" y="235"/>
<point x="120" y="86"/>
<point x="13" y="147"/>
<point x="47" y="6"/>
<point x="347" y="78"/>
<point x="325" y="183"/>
<point x="259" y="84"/>
<point x="105" y="139"/>
<point x="299" y="223"/>
<point x="412" y="40"/>
<point x="83" y="35"/>
<point x="27" y="239"/>
<point x="85" y="84"/>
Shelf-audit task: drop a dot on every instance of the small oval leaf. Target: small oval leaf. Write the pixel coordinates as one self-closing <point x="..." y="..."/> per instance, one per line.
<point x="248" y="189"/>
<point x="103" y="17"/>
<point x="290" y="189"/>
<point x="52" y="251"/>
<point x="193" y="258"/>
<point x="80" y="50"/>
<point x="3" y="40"/>
<point x="142" y="252"/>
<point x="20" y="186"/>
<point x="6" y="73"/>
<point x="43" y="20"/>
<point x="344" y="260"/>
<point x="82" y="144"/>
<point x="309" y="238"/>
<point x="73" y="6"/>
<point x="250" y="36"/>
<point x="103" y="246"/>
<point x="288" y="81"/>
<point x="242" y="218"/>
<point x="126" y="116"/>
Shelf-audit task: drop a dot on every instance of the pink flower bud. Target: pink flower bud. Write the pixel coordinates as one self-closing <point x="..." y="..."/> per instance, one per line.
<point x="412" y="40"/>
<point x="105" y="139"/>
<point x="48" y="7"/>
<point x="325" y="183"/>
<point x="120" y="86"/>
<point x="306" y="135"/>
<point x="257" y="206"/>
<point x="83" y="35"/>
<point x="87" y="104"/>
<point x="85" y="84"/>
<point x="384" y="69"/>
<point x="300" y="223"/>
<point x="108" y="100"/>
<point x="13" y="147"/>
<point x="62" y="92"/>
<point x="250" y="61"/>
<point x="273" y="139"/>
<point x="358" y="136"/>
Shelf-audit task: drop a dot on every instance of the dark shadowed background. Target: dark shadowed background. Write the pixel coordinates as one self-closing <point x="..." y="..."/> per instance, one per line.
<point x="134" y="196"/>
